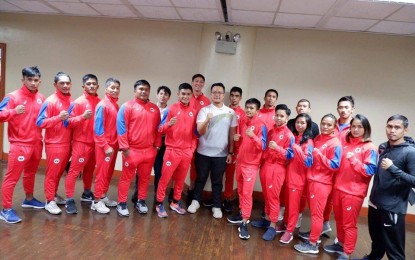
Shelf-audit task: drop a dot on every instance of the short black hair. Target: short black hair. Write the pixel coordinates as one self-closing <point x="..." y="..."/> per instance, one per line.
<point x="32" y="71"/>
<point x="141" y="82"/>
<point x="217" y="85"/>
<point x="304" y="100"/>
<point x="61" y="74"/>
<point x="198" y="76"/>
<point x="253" y="101"/>
<point x="404" y="119"/>
<point x="271" y="90"/>
<point x="236" y="89"/>
<point x="331" y="116"/>
<point x="165" y="88"/>
<point x="185" y="86"/>
<point x="283" y="107"/>
<point x="346" y="98"/>
<point x="89" y="76"/>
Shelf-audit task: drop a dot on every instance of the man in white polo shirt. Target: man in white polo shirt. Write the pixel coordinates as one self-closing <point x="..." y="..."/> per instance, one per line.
<point x="216" y="125"/>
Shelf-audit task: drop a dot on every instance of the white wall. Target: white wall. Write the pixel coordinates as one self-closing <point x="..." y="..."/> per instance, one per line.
<point x="378" y="70"/>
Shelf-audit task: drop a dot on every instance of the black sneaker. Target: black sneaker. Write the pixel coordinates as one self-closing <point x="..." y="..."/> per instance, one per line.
<point x="71" y="207"/>
<point x="334" y="248"/>
<point x="87" y="197"/>
<point x="227" y="206"/>
<point x="243" y="231"/>
<point x="207" y="203"/>
<point x="171" y="194"/>
<point x="235" y="219"/>
<point x="141" y="206"/>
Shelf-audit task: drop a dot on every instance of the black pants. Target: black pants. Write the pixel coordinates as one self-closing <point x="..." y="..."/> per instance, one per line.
<point x="216" y="167"/>
<point x="387" y="231"/>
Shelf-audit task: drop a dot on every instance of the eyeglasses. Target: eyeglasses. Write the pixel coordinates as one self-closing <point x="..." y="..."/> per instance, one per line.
<point x="91" y="83"/>
<point x="217" y="93"/>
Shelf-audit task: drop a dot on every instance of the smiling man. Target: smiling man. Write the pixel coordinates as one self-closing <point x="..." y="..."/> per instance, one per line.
<point x="52" y="115"/>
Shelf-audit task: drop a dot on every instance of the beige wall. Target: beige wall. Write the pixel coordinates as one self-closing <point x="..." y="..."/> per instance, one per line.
<point x="378" y="70"/>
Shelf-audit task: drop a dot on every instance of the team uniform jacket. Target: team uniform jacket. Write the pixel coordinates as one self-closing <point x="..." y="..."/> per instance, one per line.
<point x="22" y="128"/>
<point x="251" y="148"/>
<point x="180" y="136"/>
<point x="105" y="132"/>
<point x="355" y="173"/>
<point x="299" y="165"/>
<point x="83" y="129"/>
<point x="267" y="116"/>
<point x="199" y="102"/>
<point x="284" y="138"/>
<point x="56" y="134"/>
<point x="138" y="131"/>
<point x="326" y="160"/>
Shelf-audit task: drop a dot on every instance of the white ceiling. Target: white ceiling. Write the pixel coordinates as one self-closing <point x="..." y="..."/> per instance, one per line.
<point x="338" y="15"/>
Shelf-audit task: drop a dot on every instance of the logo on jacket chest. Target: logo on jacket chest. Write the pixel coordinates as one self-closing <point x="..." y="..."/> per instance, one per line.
<point x="281" y="137"/>
<point x="358" y="150"/>
<point x="191" y="114"/>
<point x="39" y="101"/>
<point x="202" y="103"/>
<point x="152" y="110"/>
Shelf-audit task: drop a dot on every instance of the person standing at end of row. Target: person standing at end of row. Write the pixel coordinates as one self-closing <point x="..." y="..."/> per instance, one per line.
<point x="20" y="109"/>
<point x="58" y="138"/>
<point x="216" y="125"/>
<point x="106" y="145"/>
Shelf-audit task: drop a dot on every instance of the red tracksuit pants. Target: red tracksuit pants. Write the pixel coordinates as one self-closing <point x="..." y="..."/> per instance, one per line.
<point x="318" y="194"/>
<point x="21" y="158"/>
<point x="346" y="211"/>
<point x="141" y="161"/>
<point x="296" y="205"/>
<point x="82" y="160"/>
<point x="104" y="170"/>
<point x="229" y="176"/>
<point x="57" y="158"/>
<point x="176" y="164"/>
<point x="272" y="178"/>
<point x="246" y="177"/>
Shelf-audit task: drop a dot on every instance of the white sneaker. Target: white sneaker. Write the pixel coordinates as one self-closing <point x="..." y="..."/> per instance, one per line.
<point x="100" y="207"/>
<point x="53" y="208"/>
<point x="59" y="200"/>
<point x="300" y="218"/>
<point x="122" y="209"/>
<point x="217" y="212"/>
<point x="281" y="215"/>
<point x="109" y="202"/>
<point x="193" y="207"/>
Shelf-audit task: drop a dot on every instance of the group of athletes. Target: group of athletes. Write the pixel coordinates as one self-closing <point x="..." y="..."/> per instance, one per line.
<point x="299" y="163"/>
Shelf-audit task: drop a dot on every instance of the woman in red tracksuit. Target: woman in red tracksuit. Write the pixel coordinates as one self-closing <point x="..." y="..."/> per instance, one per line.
<point x="352" y="181"/>
<point x="296" y="178"/>
<point x="326" y="160"/>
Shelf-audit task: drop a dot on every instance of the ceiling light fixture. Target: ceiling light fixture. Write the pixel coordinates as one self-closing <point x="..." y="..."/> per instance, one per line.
<point x="228" y="44"/>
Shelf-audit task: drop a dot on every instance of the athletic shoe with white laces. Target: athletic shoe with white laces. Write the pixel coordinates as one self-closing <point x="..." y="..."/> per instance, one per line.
<point x="243" y="231"/>
<point x="53" y="208"/>
<point x="141" y="206"/>
<point x="177" y="207"/>
<point x="306" y="248"/>
<point x="122" y="209"/>
<point x="33" y="203"/>
<point x="217" y="213"/>
<point x="193" y="207"/>
<point x="10" y="216"/>
<point x="59" y="200"/>
<point x="161" y="212"/>
<point x="109" y="202"/>
<point x="100" y="207"/>
<point x="87" y="196"/>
